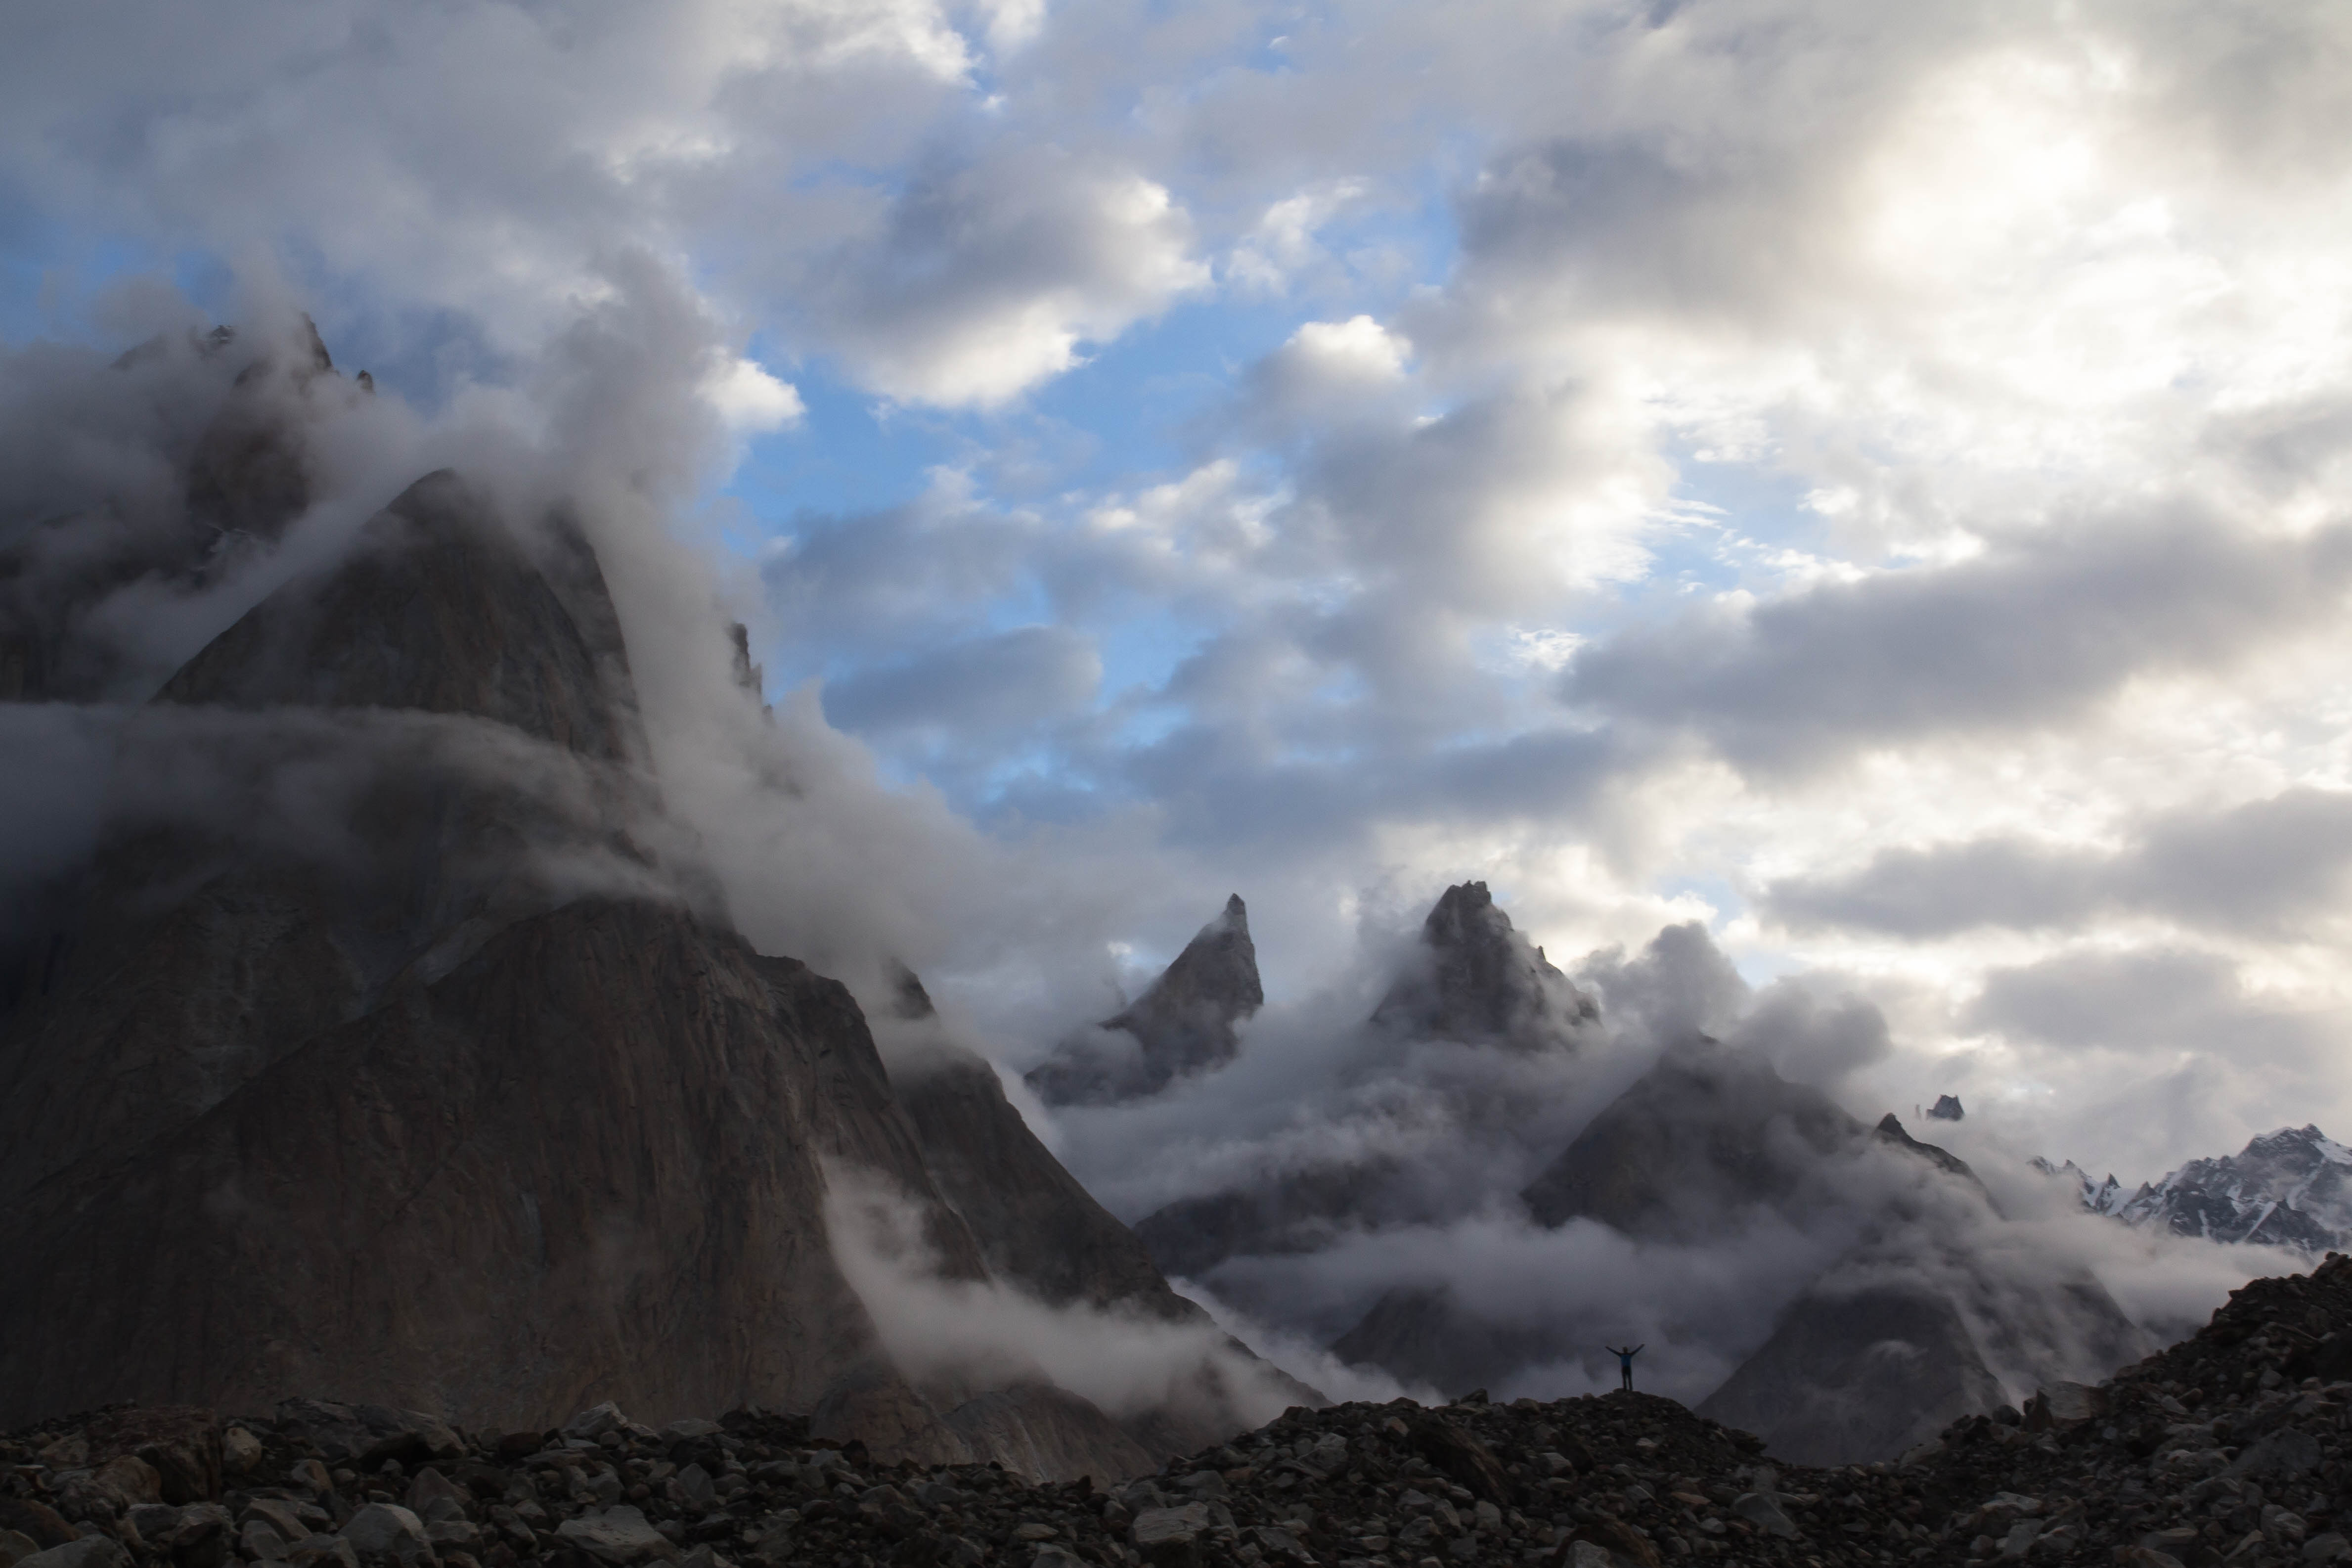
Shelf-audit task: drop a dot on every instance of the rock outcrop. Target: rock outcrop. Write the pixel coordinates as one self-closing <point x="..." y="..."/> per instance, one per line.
<point x="1182" y="1025"/>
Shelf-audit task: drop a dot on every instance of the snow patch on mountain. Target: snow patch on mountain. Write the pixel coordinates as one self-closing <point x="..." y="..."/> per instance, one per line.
<point x="2291" y="1187"/>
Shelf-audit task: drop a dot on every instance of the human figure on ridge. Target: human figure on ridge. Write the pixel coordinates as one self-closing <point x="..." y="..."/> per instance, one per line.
<point x="1625" y="1362"/>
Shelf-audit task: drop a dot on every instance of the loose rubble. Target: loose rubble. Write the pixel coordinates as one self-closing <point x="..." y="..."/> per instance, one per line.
<point x="2229" y="1449"/>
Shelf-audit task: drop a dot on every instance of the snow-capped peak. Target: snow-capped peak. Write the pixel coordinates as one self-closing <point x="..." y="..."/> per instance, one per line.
<point x="2290" y="1187"/>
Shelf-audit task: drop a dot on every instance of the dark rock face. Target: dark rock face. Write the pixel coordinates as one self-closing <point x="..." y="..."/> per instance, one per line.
<point x="1426" y="1337"/>
<point x="1039" y="1227"/>
<point x="546" y="1210"/>
<point x="1704" y="1136"/>
<point x="1298" y="1212"/>
<point x="1183" y="1025"/>
<point x="438" y="610"/>
<point x="1947" y="1109"/>
<point x="1483" y="980"/>
<point x="1910" y="1329"/>
<point x="386" y="1061"/>
<point x="1859" y="1375"/>
<point x="269" y="874"/>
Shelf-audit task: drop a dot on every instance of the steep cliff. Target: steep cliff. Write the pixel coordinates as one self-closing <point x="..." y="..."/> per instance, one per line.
<point x="379" y="1054"/>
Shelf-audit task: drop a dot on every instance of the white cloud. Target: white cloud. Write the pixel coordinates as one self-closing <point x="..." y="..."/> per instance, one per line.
<point x="2003" y="347"/>
<point x="751" y="400"/>
<point x="984" y="279"/>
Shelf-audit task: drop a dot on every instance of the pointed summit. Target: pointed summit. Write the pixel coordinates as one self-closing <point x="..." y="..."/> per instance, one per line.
<point x="1183" y="1025"/>
<point x="1479" y="979"/>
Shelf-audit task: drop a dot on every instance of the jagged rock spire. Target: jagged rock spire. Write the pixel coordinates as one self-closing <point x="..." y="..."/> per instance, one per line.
<point x="1184" y="1023"/>
<point x="1479" y="979"/>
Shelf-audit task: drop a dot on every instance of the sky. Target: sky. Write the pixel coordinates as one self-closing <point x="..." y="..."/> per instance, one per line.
<point x="1863" y="478"/>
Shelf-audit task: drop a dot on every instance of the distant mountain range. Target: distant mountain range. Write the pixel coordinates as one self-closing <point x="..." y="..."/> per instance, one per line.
<point x="2288" y="1188"/>
<point x="1917" y="1309"/>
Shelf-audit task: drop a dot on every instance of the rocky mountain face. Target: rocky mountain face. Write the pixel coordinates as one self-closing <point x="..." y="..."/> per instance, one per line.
<point x="1701" y="1138"/>
<point x="1183" y="1024"/>
<point x="1918" y="1311"/>
<point x="387" y="1048"/>
<point x="1918" y="1323"/>
<point x="2290" y="1188"/>
<point x="2234" y="1447"/>
<point x="1471" y="980"/>
<point x="241" y="470"/>
<point x="1474" y="977"/>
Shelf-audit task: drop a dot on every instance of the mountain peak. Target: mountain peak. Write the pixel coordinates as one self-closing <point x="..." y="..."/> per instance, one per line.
<point x="2289" y="1187"/>
<point x="1182" y="1024"/>
<point x="1478" y="978"/>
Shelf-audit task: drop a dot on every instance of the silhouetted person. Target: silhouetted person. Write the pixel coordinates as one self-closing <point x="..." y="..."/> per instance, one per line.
<point x="1625" y="1362"/>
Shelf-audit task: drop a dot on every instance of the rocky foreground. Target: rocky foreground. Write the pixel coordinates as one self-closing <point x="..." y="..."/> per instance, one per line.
<point x="2230" y="1448"/>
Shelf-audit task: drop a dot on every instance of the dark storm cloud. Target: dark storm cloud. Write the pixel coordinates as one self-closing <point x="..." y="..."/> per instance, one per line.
<point x="2034" y="631"/>
<point x="2269" y="867"/>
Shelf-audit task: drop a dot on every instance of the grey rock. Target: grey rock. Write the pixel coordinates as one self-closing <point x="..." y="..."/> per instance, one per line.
<point x="241" y="1451"/>
<point x="258" y="1541"/>
<point x="2072" y="1404"/>
<point x="1764" y="1512"/>
<point x="154" y="1521"/>
<point x="1278" y="1544"/>
<point x="459" y="1534"/>
<point x="1171" y="1537"/>
<point x="323" y="1551"/>
<point x="595" y="1421"/>
<point x="2328" y="1548"/>
<point x="292" y="1522"/>
<point x="93" y="1551"/>
<point x="691" y="1428"/>
<point x="1585" y="1554"/>
<point x="433" y="1496"/>
<point x="16" y="1546"/>
<point x="364" y="1436"/>
<point x="616" y="1536"/>
<point x="2019" y="1538"/>
<point x="695" y="1488"/>
<point x="2288" y="1452"/>
<point x="388" y="1532"/>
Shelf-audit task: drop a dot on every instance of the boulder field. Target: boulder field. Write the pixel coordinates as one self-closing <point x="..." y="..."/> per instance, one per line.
<point x="2230" y="1448"/>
